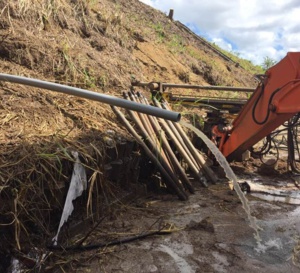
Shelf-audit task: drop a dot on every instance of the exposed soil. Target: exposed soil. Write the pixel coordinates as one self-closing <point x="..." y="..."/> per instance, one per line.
<point x="103" y="46"/>
<point x="207" y="233"/>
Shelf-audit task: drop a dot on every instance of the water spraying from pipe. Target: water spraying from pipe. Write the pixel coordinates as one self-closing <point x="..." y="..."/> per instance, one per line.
<point x="231" y="176"/>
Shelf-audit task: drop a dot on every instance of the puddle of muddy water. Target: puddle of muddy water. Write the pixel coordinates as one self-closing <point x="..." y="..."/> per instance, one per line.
<point x="279" y="237"/>
<point x="221" y="262"/>
<point x="276" y="198"/>
<point x="280" y="193"/>
<point x="177" y="251"/>
<point x="182" y="264"/>
<point x="278" y="232"/>
<point x="272" y="247"/>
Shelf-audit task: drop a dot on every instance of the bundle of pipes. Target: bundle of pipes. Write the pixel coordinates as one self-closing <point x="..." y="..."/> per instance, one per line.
<point x="150" y="127"/>
<point x="154" y="141"/>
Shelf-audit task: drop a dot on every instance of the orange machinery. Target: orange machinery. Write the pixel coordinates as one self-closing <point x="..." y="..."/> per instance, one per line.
<point x="275" y="101"/>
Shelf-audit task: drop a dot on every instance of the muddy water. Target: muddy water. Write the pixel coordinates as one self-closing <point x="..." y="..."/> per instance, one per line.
<point x="293" y="198"/>
<point x="224" y="245"/>
<point x="283" y="192"/>
<point x="228" y="247"/>
<point x="230" y="175"/>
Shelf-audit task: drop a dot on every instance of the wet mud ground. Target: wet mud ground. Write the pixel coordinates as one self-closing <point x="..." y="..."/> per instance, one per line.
<point x="208" y="233"/>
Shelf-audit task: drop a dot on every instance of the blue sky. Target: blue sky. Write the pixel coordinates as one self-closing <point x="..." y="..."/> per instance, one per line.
<point x="253" y="29"/>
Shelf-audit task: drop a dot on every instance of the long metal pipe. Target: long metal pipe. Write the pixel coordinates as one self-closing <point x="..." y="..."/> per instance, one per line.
<point x="221" y="88"/>
<point x="146" y="109"/>
<point x="156" y="86"/>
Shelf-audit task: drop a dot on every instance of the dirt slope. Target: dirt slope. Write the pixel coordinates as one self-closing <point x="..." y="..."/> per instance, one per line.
<point x="96" y="45"/>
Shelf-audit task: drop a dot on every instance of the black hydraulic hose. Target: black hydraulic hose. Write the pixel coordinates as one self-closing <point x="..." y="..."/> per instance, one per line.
<point x="269" y="103"/>
<point x="146" y="109"/>
<point x="108" y="244"/>
<point x="254" y="108"/>
<point x="268" y="110"/>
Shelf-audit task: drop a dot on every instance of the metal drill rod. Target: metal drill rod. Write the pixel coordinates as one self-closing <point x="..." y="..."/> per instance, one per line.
<point x="146" y="109"/>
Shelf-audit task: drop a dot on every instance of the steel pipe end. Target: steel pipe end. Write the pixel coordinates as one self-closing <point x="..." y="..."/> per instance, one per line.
<point x="178" y="117"/>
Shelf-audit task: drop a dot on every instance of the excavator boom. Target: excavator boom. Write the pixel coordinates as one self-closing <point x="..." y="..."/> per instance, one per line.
<point x="275" y="101"/>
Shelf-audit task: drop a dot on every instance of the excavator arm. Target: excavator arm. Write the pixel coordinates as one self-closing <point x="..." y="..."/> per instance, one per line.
<point x="275" y="101"/>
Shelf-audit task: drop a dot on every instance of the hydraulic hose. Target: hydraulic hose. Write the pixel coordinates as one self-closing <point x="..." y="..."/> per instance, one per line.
<point x="146" y="109"/>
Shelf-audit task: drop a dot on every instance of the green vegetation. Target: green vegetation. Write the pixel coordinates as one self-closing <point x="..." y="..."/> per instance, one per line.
<point x="268" y="62"/>
<point x="176" y="44"/>
<point x="246" y="64"/>
<point x="193" y="53"/>
<point x="159" y="29"/>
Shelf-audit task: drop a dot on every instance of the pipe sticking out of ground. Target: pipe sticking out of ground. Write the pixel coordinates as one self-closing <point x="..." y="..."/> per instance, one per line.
<point x="130" y="105"/>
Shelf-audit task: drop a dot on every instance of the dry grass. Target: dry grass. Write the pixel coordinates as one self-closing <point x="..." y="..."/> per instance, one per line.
<point x="40" y="129"/>
<point x="40" y="132"/>
<point x="67" y="40"/>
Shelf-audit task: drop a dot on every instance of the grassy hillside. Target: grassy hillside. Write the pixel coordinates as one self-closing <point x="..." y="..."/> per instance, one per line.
<point x="101" y="45"/>
<point x="96" y="45"/>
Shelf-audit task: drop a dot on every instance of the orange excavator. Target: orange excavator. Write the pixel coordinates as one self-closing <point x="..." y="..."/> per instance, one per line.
<point x="275" y="102"/>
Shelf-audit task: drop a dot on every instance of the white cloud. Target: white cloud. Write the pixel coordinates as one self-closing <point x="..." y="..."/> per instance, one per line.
<point x="253" y="28"/>
<point x="222" y="43"/>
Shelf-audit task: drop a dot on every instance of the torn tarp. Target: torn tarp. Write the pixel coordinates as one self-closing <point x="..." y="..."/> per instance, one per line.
<point x="77" y="186"/>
